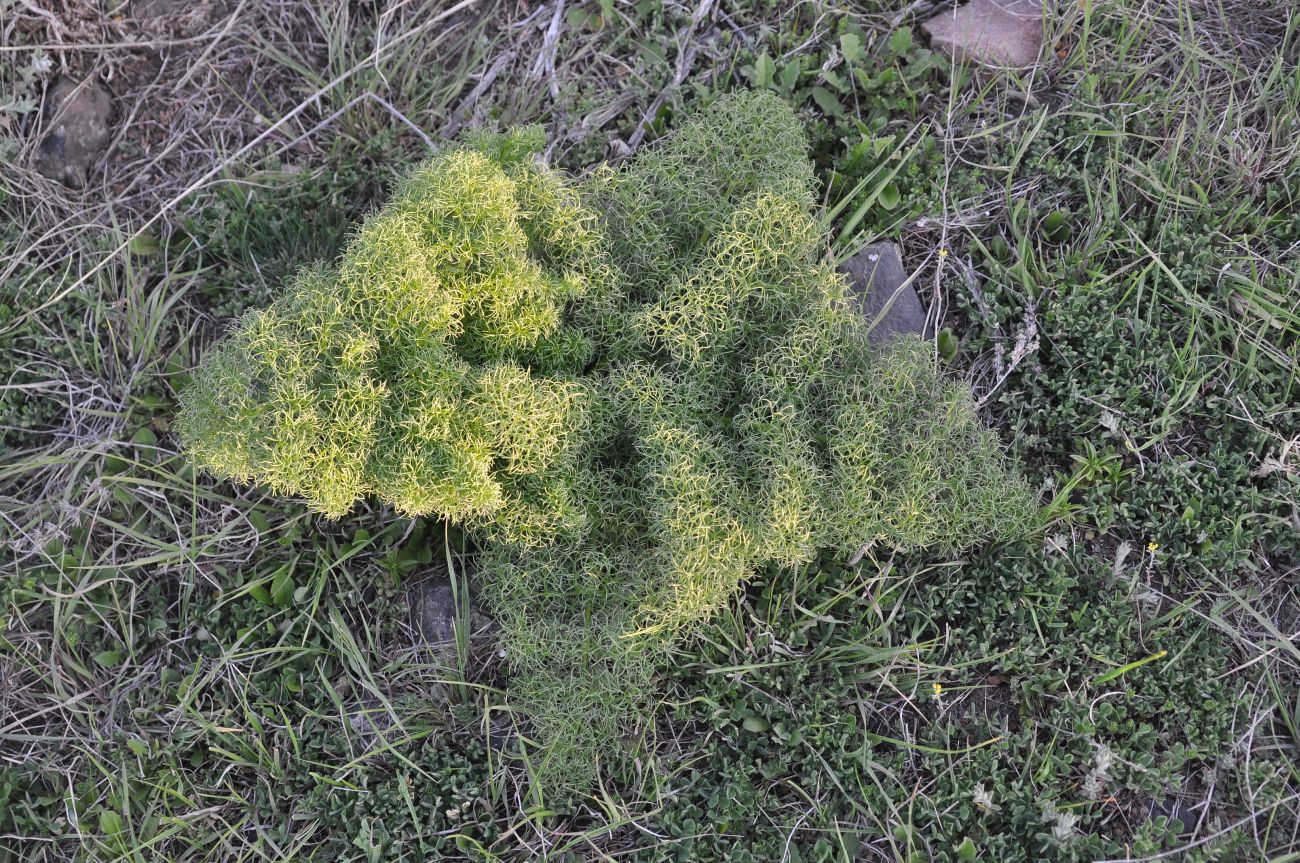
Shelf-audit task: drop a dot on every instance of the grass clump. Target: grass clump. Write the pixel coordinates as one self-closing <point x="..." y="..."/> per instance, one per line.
<point x="636" y="391"/>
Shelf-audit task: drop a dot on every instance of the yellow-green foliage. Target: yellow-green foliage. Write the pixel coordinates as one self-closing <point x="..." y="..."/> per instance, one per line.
<point x="638" y="390"/>
<point x="409" y="370"/>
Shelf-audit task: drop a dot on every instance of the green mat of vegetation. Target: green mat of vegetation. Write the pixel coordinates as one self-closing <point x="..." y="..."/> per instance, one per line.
<point x="201" y="670"/>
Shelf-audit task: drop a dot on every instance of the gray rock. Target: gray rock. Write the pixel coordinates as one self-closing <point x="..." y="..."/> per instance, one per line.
<point x="432" y="604"/>
<point x="77" y="115"/>
<point x="878" y="286"/>
<point x="1001" y="33"/>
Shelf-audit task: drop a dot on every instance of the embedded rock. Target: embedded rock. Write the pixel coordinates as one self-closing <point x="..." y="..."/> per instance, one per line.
<point x="77" y="122"/>
<point x="433" y="610"/>
<point x="1001" y="33"/>
<point x="880" y="291"/>
<point x="431" y="602"/>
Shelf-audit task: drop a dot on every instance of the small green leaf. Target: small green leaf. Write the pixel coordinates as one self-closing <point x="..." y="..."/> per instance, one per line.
<point x="755" y="724"/>
<point x="764" y="71"/>
<point x="652" y="52"/>
<point x="138" y="747"/>
<point x="144" y="436"/>
<point x="115" y="464"/>
<point x="282" y="586"/>
<point x="851" y="48"/>
<point x="827" y="101"/>
<point x="999" y="250"/>
<point x="922" y="61"/>
<point x="900" y="41"/>
<point x="292" y="680"/>
<point x="830" y="76"/>
<point x="144" y="244"/>
<point x="947" y="344"/>
<point x="575" y="18"/>
<point x="123" y="495"/>
<point x="259" y="592"/>
<point x="790" y="74"/>
<point x="1055" y="227"/>
<point x="258" y="521"/>
<point x="110" y="823"/>
<point x="109" y="658"/>
<point x="889" y="197"/>
<point x="966" y="850"/>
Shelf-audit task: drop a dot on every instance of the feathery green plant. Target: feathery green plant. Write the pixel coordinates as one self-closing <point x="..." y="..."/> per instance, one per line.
<point x="635" y="390"/>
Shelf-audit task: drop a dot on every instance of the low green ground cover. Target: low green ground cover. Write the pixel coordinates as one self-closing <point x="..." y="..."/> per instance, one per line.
<point x="195" y="670"/>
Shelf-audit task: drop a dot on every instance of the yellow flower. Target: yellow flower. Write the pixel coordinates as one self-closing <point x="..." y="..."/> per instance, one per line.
<point x="938" y="689"/>
<point x="1152" y="546"/>
<point x="943" y="253"/>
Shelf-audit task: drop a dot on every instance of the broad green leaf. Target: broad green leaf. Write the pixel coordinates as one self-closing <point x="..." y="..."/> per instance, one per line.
<point x="258" y="520"/>
<point x="144" y="245"/>
<point x="889" y="196"/>
<point x="790" y="74"/>
<point x="109" y="658"/>
<point x="900" y="40"/>
<point x="292" y="680"/>
<point x="827" y="101"/>
<point x="851" y="48"/>
<point x="282" y="586"/>
<point x="1056" y="228"/>
<point x="110" y="823"/>
<point x="260" y="593"/>
<point x="947" y="344"/>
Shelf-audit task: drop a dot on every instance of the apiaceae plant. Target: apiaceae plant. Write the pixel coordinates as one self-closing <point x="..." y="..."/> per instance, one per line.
<point x="634" y="390"/>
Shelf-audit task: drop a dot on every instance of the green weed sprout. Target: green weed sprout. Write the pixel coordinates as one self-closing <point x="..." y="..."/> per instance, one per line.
<point x="635" y="390"/>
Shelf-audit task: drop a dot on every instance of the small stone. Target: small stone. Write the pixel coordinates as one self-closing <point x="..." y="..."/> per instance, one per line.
<point x="431" y="602"/>
<point x="77" y="117"/>
<point x="879" y="289"/>
<point x="433" y="609"/>
<point x="1001" y="33"/>
<point x="500" y="730"/>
